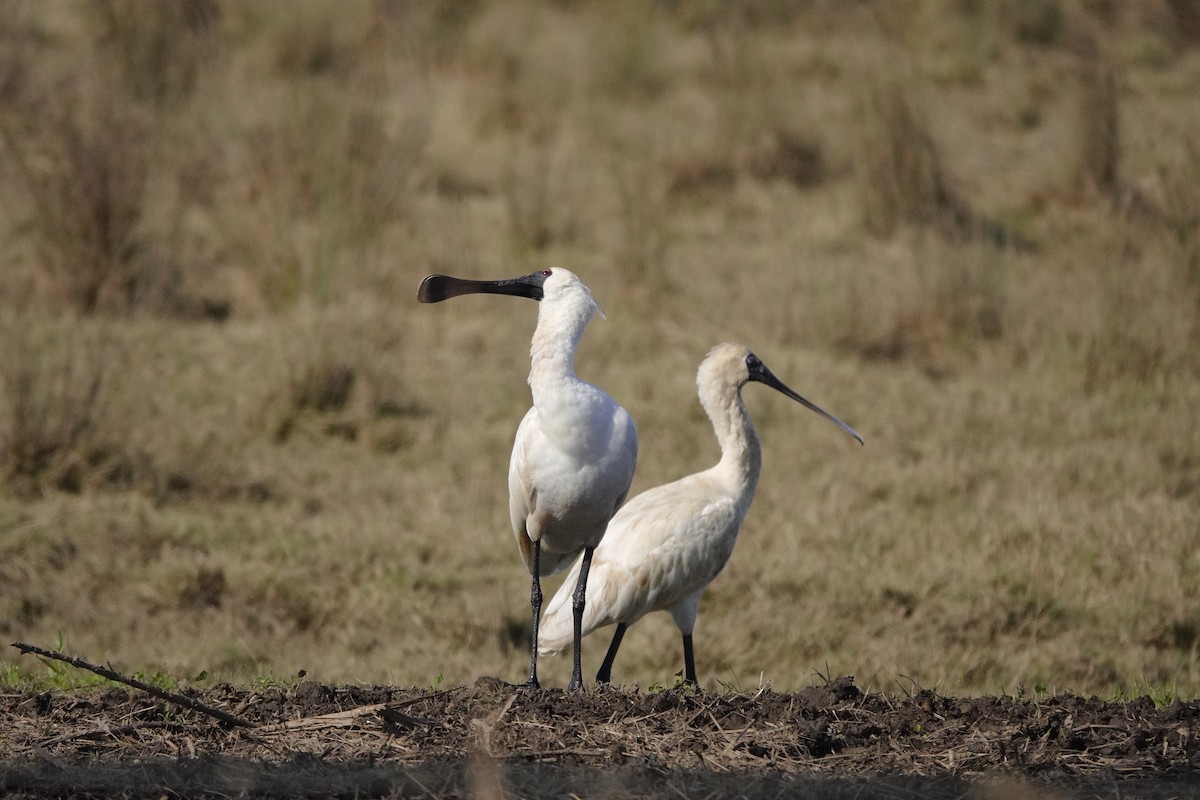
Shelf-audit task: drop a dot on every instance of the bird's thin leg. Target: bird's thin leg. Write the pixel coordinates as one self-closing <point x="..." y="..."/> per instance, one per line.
<point x="689" y="660"/>
<point x="578" y="600"/>
<point x="535" y="601"/>
<point x="605" y="673"/>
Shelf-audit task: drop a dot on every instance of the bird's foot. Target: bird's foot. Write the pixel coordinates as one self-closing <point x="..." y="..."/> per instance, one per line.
<point x="576" y="683"/>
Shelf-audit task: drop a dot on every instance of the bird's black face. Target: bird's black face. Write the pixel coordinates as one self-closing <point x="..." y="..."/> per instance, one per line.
<point x="756" y="368"/>
<point x="436" y="288"/>
<point x="758" y="372"/>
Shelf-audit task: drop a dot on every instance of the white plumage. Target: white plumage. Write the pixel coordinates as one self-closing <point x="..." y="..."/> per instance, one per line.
<point x="576" y="449"/>
<point x="665" y="546"/>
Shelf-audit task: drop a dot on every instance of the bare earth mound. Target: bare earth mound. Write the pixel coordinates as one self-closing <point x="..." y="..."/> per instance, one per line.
<point x="494" y="739"/>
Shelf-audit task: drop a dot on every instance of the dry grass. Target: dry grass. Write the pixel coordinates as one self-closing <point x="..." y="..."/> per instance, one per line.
<point x="223" y="237"/>
<point x="56" y="391"/>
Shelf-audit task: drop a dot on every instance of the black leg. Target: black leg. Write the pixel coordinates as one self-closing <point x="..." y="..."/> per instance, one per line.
<point x="689" y="660"/>
<point x="578" y="601"/>
<point x="535" y="600"/>
<point x="605" y="673"/>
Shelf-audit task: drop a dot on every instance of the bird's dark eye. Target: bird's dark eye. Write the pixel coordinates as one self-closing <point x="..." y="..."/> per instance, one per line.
<point x="752" y="362"/>
<point x="546" y="273"/>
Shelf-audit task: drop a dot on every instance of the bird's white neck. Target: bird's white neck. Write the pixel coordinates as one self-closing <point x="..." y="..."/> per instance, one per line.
<point x="741" y="453"/>
<point x="552" y="353"/>
<point x="573" y="413"/>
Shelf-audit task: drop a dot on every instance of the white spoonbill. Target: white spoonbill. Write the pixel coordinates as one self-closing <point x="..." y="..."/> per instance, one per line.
<point x="575" y="450"/>
<point x="666" y="545"/>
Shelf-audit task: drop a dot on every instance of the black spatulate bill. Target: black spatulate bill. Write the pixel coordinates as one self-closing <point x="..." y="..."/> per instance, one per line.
<point x="436" y="288"/>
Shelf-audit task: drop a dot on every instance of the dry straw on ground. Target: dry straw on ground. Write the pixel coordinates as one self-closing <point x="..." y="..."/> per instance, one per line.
<point x="497" y="740"/>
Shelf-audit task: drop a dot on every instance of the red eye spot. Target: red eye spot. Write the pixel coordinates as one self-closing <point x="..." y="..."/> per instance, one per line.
<point x="546" y="273"/>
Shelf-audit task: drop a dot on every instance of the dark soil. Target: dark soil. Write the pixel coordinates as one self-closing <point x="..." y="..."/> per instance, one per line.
<point x="497" y="740"/>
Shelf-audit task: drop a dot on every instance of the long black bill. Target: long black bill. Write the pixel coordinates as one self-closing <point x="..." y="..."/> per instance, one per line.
<point x="764" y="375"/>
<point x="436" y="288"/>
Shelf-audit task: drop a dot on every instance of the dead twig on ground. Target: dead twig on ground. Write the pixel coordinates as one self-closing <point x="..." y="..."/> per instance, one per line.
<point x="113" y="675"/>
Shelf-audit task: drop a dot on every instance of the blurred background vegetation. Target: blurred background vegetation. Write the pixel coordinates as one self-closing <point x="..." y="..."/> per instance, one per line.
<point x="232" y="443"/>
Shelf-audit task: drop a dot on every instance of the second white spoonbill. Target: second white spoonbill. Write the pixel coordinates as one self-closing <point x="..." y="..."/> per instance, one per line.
<point x="575" y="450"/>
<point x="666" y="545"/>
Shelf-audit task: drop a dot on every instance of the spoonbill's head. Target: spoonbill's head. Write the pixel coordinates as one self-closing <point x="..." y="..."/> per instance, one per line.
<point x="557" y="286"/>
<point x="732" y="366"/>
<point x="564" y="288"/>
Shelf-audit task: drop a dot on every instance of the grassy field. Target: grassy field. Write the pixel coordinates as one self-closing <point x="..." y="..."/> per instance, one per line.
<point x="232" y="443"/>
